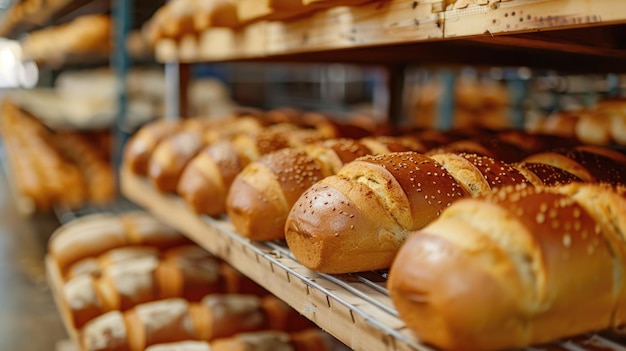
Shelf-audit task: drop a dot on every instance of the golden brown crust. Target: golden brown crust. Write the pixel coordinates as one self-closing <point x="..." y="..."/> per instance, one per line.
<point x="512" y="251"/>
<point x="140" y="147"/>
<point x="497" y="173"/>
<point x="231" y="314"/>
<point x="204" y="183"/>
<point x="549" y="175"/>
<point x="215" y="13"/>
<point x="373" y="203"/>
<point x="171" y="156"/>
<point x="262" y="194"/>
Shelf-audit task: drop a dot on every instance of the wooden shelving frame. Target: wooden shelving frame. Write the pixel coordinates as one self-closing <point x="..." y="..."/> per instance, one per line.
<point x="521" y="32"/>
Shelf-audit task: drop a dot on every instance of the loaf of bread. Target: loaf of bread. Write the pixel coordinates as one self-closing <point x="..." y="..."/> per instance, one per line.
<point x="37" y="166"/>
<point x="141" y="276"/>
<point x="589" y="163"/>
<point x="173" y="154"/>
<point x="262" y="194"/>
<point x="522" y="266"/>
<point x="306" y="340"/>
<point x="93" y="235"/>
<point x="93" y="164"/>
<point x="205" y="181"/>
<point x="140" y="147"/>
<point x="215" y="13"/>
<point x="175" y="319"/>
<point x="358" y="219"/>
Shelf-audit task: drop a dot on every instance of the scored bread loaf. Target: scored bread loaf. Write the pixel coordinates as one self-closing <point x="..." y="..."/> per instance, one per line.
<point x="522" y="266"/>
<point x="93" y="235"/>
<point x="140" y="147"/>
<point x="306" y="340"/>
<point x="175" y="319"/>
<point x="262" y="194"/>
<point x="589" y="163"/>
<point x="136" y="277"/>
<point x="205" y="181"/>
<point x="359" y="218"/>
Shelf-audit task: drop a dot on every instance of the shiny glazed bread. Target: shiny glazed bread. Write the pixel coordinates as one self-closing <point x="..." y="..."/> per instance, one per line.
<point x="522" y="266"/>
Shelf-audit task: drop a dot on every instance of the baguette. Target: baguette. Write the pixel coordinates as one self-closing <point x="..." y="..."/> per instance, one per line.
<point x="495" y="272"/>
<point x="261" y="195"/>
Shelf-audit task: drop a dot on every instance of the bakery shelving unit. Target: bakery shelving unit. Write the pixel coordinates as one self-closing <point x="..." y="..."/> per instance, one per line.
<point x="568" y="35"/>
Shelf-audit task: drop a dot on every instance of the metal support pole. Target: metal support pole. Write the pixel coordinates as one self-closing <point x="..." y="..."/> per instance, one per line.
<point x="176" y="90"/>
<point x="122" y="17"/>
<point x="445" y="105"/>
<point x="389" y="97"/>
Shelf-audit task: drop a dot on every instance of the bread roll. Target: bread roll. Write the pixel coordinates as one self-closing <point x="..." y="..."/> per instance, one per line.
<point x="189" y="345"/>
<point x="591" y="164"/>
<point x="106" y="333"/>
<point x="215" y="13"/>
<point x="496" y="272"/>
<point x="373" y="203"/>
<point x="359" y="218"/>
<point x="262" y="194"/>
<point x="144" y="229"/>
<point x="205" y="182"/>
<point x="594" y="129"/>
<point x="171" y="156"/>
<point x="126" y="277"/>
<point x="87" y="237"/>
<point x="159" y="322"/>
<point x="140" y="147"/>
<point x="260" y="341"/>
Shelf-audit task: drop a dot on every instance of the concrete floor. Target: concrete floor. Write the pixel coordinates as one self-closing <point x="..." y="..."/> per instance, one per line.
<point x="28" y="317"/>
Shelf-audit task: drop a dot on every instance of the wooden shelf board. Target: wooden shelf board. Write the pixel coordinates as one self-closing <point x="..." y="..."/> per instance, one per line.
<point x="406" y="31"/>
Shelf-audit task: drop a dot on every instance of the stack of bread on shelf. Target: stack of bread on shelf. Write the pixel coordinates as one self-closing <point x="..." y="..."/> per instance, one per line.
<point x="33" y="12"/>
<point x="48" y="168"/>
<point x="196" y="29"/>
<point x="179" y="18"/>
<point x="604" y="123"/>
<point x="88" y="36"/>
<point x="491" y="202"/>
<point x="128" y="282"/>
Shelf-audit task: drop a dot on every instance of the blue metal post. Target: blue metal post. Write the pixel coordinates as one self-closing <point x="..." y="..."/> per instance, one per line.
<point x="122" y="20"/>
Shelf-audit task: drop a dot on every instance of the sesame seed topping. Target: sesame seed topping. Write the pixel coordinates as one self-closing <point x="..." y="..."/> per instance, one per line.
<point x="540" y="218"/>
<point x="567" y="240"/>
